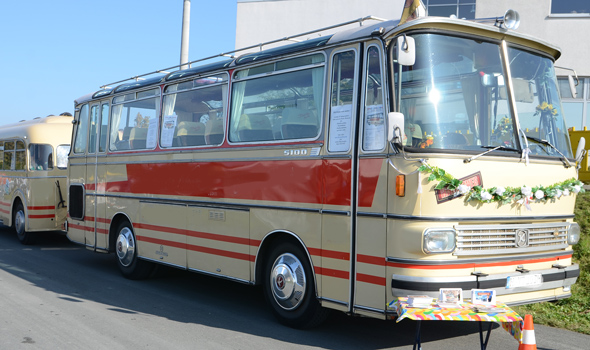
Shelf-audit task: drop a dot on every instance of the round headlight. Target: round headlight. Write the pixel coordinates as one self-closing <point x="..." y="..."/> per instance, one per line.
<point x="573" y="234"/>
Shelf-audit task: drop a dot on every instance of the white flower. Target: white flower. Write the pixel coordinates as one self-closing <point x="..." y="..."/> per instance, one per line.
<point x="558" y="193"/>
<point x="486" y="196"/>
<point x="463" y="189"/>
<point x="576" y="189"/>
<point x="566" y="192"/>
<point x="500" y="191"/>
<point x="526" y="191"/>
<point x="539" y="194"/>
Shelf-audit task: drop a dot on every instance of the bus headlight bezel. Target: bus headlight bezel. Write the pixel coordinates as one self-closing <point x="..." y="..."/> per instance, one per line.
<point x="439" y="240"/>
<point x="573" y="233"/>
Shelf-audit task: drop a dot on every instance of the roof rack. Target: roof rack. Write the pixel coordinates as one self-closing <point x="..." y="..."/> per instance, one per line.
<point x="261" y="45"/>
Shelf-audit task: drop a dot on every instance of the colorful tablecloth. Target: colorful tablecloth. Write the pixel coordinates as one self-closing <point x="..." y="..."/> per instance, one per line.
<point x="510" y="320"/>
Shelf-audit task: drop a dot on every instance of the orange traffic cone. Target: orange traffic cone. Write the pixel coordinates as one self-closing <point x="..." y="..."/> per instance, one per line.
<point x="528" y="335"/>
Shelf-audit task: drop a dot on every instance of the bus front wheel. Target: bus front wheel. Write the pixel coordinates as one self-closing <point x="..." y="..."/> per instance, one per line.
<point x="18" y="223"/>
<point x="289" y="288"/>
<point x="126" y="250"/>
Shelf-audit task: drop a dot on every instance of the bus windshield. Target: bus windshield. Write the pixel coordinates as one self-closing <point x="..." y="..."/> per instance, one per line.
<point x="455" y="97"/>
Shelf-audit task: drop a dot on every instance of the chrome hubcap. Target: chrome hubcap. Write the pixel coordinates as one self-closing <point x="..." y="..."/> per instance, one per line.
<point x="19" y="222"/>
<point x="287" y="280"/>
<point x="125" y="247"/>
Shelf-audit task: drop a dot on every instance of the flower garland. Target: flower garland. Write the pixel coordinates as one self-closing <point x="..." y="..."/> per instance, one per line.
<point x="503" y="195"/>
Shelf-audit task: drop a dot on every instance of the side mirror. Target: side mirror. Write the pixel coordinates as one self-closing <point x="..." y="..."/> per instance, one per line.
<point x="395" y="124"/>
<point x="573" y="85"/>
<point x="406" y="51"/>
<point x="581" y="150"/>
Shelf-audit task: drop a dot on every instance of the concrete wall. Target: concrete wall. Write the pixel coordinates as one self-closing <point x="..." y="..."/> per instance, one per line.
<point x="567" y="33"/>
<point x="259" y="21"/>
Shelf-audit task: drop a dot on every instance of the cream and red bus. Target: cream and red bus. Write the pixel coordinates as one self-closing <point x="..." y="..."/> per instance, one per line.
<point x="340" y="172"/>
<point x="33" y="175"/>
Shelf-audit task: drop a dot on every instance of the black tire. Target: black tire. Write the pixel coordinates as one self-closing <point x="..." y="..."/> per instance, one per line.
<point x="289" y="287"/>
<point x="126" y="254"/>
<point x="18" y="224"/>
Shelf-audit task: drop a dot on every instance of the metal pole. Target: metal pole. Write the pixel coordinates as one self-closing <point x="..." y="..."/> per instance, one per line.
<point x="186" y="20"/>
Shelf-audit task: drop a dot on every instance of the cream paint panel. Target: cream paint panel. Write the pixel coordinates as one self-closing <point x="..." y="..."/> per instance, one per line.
<point x="160" y="232"/>
<point x="370" y="276"/>
<point x="217" y="241"/>
<point x="336" y="257"/>
<point x="90" y="236"/>
<point x="102" y="224"/>
<point x="305" y="226"/>
<point x="41" y="192"/>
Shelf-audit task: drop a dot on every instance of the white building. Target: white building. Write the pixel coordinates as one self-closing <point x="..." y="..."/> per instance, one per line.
<point x="563" y="23"/>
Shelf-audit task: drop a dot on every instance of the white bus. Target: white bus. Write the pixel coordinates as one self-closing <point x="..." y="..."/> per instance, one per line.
<point x="275" y="169"/>
<point x="33" y="163"/>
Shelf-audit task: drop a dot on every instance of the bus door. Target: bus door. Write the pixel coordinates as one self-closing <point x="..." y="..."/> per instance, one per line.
<point x="371" y="281"/>
<point x="91" y="170"/>
<point x="97" y="233"/>
<point x="77" y="179"/>
<point x="337" y="215"/>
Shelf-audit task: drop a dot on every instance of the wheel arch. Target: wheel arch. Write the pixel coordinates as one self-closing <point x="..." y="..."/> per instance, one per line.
<point x="117" y="219"/>
<point x="268" y="242"/>
<point x="19" y="198"/>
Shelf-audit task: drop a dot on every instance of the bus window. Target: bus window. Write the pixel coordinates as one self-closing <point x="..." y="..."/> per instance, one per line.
<point x="81" y="131"/>
<point x="104" y="121"/>
<point x="131" y="121"/>
<point x="374" y="124"/>
<point x="190" y="116"/>
<point x="40" y="157"/>
<point x="280" y="106"/>
<point x="93" y="129"/>
<point x="62" y="152"/>
<point x="20" y="156"/>
<point x="342" y="101"/>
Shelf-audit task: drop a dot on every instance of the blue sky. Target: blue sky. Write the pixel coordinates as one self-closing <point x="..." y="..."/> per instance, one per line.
<point x="52" y="52"/>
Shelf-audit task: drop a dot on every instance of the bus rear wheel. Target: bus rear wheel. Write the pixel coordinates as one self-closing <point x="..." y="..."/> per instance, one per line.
<point x="18" y="223"/>
<point x="126" y="250"/>
<point x="289" y="288"/>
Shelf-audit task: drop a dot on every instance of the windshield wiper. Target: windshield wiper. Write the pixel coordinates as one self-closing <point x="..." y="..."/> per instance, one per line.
<point x="490" y="149"/>
<point x="566" y="161"/>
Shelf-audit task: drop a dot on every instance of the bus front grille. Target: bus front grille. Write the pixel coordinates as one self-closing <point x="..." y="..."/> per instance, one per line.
<point x="510" y="238"/>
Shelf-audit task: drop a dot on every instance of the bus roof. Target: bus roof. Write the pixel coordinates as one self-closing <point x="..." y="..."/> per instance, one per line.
<point x="40" y="129"/>
<point x="382" y="28"/>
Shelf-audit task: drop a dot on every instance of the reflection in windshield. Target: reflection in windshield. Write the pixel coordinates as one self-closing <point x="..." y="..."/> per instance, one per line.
<point x="455" y="97"/>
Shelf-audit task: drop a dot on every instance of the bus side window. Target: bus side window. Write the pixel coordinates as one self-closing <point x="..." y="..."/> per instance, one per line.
<point x="81" y="130"/>
<point x="40" y="157"/>
<point x="374" y="116"/>
<point x="104" y="121"/>
<point x="342" y="101"/>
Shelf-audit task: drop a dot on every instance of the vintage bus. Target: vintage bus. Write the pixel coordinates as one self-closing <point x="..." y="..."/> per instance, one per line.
<point x="33" y="175"/>
<point x="340" y="172"/>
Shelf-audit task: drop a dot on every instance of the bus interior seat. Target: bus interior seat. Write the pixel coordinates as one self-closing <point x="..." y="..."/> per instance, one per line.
<point x="214" y="132"/>
<point x="255" y="128"/>
<point x="137" y="138"/>
<point x="454" y="140"/>
<point x="191" y="134"/>
<point x="299" y="123"/>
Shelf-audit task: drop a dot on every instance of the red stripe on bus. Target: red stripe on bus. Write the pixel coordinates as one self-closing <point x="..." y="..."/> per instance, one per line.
<point x="476" y="265"/>
<point x="4" y="211"/>
<point x="5" y="204"/>
<point x="331" y="272"/>
<point x="196" y="234"/>
<point x="197" y="248"/>
<point x="373" y="260"/>
<point x="80" y="227"/>
<point x="47" y="207"/>
<point x="380" y="281"/>
<point x="298" y="181"/>
<point x="46" y="216"/>
<point x="333" y="254"/>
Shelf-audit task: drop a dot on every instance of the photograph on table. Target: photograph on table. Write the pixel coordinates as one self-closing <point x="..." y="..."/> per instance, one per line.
<point x="450" y="296"/>
<point x="483" y="296"/>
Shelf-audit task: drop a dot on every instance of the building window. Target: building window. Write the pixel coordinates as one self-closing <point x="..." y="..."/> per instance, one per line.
<point x="570" y="7"/>
<point x="445" y="8"/>
<point x="575" y="109"/>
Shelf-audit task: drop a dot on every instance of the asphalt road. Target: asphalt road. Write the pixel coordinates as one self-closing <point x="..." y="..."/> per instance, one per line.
<point x="57" y="295"/>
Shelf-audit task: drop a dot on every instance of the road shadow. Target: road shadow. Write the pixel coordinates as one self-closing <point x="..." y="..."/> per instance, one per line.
<point x="78" y="276"/>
